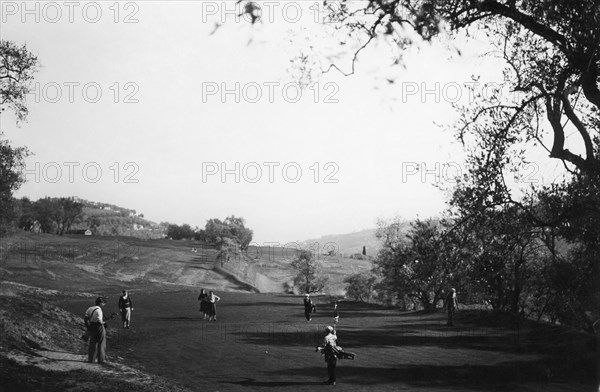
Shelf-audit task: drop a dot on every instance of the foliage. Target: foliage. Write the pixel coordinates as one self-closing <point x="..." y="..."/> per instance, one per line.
<point x="232" y="227"/>
<point x="418" y="265"/>
<point x="308" y="279"/>
<point x="11" y="178"/>
<point x="176" y="232"/>
<point x="17" y="66"/>
<point x="507" y="245"/>
<point x="504" y="254"/>
<point x="55" y="215"/>
<point x="551" y="57"/>
<point x="227" y="247"/>
<point x="101" y="218"/>
<point x="360" y="286"/>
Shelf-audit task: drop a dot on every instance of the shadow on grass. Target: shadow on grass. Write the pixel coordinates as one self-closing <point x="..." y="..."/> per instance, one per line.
<point x="506" y="376"/>
<point x="298" y="335"/>
<point x="246" y="304"/>
<point x="179" y="318"/>
<point x="250" y="382"/>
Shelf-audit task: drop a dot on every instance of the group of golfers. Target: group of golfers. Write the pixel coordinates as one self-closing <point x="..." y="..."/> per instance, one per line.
<point x="96" y="324"/>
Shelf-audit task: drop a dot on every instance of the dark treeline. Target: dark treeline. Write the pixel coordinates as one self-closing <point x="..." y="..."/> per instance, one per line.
<point x="501" y="258"/>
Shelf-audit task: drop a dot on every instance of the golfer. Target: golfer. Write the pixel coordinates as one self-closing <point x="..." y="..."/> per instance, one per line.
<point x="94" y="321"/>
<point x="308" y="307"/>
<point x="125" y="308"/>
<point x="212" y="306"/>
<point x="451" y="305"/>
<point x="203" y="298"/>
<point x="332" y="352"/>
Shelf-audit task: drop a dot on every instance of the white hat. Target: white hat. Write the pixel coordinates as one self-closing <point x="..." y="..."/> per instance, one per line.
<point x="329" y="328"/>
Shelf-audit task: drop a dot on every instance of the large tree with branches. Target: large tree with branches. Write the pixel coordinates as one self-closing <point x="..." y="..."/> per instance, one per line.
<point x="17" y="66"/>
<point x="551" y="55"/>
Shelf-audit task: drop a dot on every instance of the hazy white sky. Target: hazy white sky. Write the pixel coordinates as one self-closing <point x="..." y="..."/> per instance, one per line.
<point x="134" y="114"/>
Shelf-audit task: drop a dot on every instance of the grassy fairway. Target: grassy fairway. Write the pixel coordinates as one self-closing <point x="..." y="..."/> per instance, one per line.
<point x="262" y="342"/>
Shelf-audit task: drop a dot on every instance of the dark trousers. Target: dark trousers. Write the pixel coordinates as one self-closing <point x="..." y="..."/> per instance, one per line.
<point x="450" y="315"/>
<point x="97" y="344"/>
<point x="331" y="363"/>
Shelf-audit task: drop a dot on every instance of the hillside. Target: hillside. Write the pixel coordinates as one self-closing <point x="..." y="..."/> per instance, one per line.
<point x="347" y="244"/>
<point x="41" y="349"/>
<point x="64" y="262"/>
<point x="273" y="265"/>
<point x="108" y="219"/>
<point x="95" y="262"/>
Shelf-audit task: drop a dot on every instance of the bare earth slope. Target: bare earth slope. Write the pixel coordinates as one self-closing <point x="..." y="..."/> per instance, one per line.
<point x="40" y="349"/>
<point x="64" y="262"/>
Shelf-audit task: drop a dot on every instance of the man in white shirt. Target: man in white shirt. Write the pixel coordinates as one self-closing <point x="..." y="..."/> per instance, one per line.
<point x="94" y="320"/>
<point x="451" y="305"/>
<point x="332" y="353"/>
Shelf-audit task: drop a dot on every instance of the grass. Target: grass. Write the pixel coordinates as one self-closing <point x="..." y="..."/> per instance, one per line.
<point x="262" y="342"/>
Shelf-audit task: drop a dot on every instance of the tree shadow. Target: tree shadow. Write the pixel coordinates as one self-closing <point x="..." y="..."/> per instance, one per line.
<point x="246" y="304"/>
<point x="506" y="376"/>
<point x="178" y="318"/>
<point x="251" y="382"/>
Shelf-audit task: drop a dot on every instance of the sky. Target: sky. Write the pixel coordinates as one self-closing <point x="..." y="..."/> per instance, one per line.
<point x="185" y="112"/>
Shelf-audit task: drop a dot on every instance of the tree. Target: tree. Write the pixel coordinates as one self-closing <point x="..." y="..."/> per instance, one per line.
<point x="71" y="212"/>
<point x="17" y="66"/>
<point x="504" y="253"/>
<point x="417" y="267"/>
<point x="239" y="231"/>
<point x="307" y="278"/>
<point x="550" y="52"/>
<point x="44" y="210"/>
<point x="57" y="214"/>
<point x="180" y="232"/>
<point x="551" y="57"/>
<point x="232" y="227"/>
<point x="12" y="163"/>
<point x="26" y="214"/>
<point x="360" y="286"/>
<point x="227" y="247"/>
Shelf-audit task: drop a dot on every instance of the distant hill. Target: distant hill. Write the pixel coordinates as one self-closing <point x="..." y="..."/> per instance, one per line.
<point x="347" y="244"/>
<point x="109" y="219"/>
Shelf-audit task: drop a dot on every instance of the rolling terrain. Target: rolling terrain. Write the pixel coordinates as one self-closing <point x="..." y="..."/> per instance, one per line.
<point x="261" y="341"/>
<point x="45" y="260"/>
